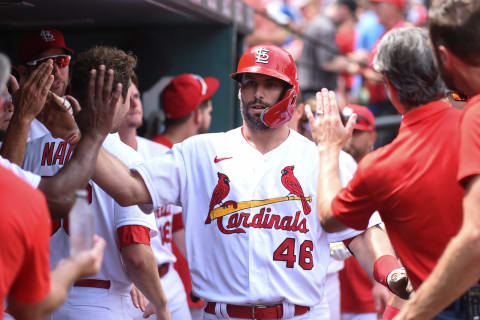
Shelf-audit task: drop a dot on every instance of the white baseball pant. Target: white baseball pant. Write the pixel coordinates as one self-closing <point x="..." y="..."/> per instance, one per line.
<point x="96" y="303"/>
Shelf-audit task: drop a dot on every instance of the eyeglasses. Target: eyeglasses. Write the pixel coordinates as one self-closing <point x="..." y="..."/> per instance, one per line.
<point x="61" y="60"/>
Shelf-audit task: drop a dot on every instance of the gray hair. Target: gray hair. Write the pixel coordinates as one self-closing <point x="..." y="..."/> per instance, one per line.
<point x="406" y="60"/>
<point x="4" y="70"/>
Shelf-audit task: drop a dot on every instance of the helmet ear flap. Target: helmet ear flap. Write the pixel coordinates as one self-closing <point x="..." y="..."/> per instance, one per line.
<point x="282" y="111"/>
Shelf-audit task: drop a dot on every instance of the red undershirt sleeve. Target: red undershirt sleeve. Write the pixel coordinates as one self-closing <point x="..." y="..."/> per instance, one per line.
<point x="133" y="234"/>
<point x="177" y="222"/>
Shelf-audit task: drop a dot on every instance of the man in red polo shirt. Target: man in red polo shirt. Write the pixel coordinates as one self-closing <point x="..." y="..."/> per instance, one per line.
<point x="454" y="26"/>
<point x="412" y="181"/>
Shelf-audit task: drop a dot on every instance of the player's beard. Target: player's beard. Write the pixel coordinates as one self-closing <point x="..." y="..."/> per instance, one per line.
<point x="253" y="121"/>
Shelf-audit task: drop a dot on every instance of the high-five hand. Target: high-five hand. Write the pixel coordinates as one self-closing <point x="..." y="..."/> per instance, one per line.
<point x="327" y="128"/>
<point x="99" y="110"/>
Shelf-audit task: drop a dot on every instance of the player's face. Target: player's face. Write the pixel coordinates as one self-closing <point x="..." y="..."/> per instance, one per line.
<point x="134" y="116"/>
<point x="122" y="111"/>
<point x="60" y="80"/>
<point x="258" y="92"/>
<point x="360" y="144"/>
<point x="206" y="119"/>
<point x="6" y="109"/>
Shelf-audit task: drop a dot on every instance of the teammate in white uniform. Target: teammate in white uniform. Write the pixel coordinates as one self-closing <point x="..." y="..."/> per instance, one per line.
<point x="162" y="244"/>
<point x="126" y="230"/>
<point x="248" y="197"/>
<point x="45" y="156"/>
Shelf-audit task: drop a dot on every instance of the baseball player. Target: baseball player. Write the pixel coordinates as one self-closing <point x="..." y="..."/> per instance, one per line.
<point x="126" y="230"/>
<point x="39" y="46"/>
<point x="412" y="181"/>
<point x="161" y="245"/>
<point x="254" y="243"/>
<point x="450" y="23"/>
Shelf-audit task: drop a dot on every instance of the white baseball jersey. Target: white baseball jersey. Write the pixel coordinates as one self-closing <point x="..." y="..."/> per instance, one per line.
<point x="252" y="231"/>
<point x="161" y="245"/>
<point x="45" y="156"/>
<point x="32" y="179"/>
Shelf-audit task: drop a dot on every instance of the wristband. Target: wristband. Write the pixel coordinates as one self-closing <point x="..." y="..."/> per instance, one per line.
<point x="382" y="268"/>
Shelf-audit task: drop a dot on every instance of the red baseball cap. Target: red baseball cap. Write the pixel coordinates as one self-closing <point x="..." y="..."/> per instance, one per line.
<point x="365" y="118"/>
<point x="185" y="93"/>
<point x="399" y="3"/>
<point x="34" y="43"/>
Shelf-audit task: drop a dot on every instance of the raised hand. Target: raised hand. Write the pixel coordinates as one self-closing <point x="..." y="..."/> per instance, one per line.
<point x="101" y="105"/>
<point x="327" y="128"/>
<point x="30" y="98"/>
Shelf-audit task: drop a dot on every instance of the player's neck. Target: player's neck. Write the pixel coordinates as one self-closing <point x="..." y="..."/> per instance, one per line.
<point x="129" y="136"/>
<point x="177" y="134"/>
<point x="265" y="140"/>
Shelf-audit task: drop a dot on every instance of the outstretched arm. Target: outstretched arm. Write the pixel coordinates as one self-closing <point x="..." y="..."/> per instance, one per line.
<point x="330" y="136"/>
<point x="124" y="185"/>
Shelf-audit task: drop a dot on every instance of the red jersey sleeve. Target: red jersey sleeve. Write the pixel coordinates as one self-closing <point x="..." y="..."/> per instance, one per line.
<point x="469" y="163"/>
<point x="33" y="281"/>
<point x="133" y="234"/>
<point x="354" y="204"/>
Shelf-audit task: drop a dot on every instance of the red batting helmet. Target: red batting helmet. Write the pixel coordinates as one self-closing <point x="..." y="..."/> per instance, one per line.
<point x="275" y="62"/>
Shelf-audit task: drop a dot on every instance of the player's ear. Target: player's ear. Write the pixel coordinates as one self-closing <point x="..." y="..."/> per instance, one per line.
<point x="444" y="55"/>
<point x="197" y="116"/>
<point x="239" y="95"/>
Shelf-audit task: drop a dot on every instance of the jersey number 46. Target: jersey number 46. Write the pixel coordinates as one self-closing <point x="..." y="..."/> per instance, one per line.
<point x="286" y="252"/>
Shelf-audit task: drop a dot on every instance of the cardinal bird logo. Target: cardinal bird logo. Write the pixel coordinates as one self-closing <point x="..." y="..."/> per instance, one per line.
<point x="291" y="183"/>
<point x="219" y="193"/>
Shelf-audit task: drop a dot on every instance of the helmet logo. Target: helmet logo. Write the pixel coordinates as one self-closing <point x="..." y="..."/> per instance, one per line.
<point x="47" y="35"/>
<point x="262" y="55"/>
